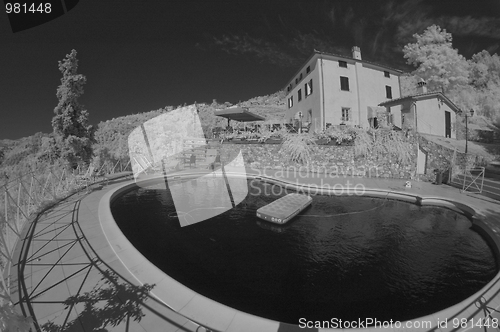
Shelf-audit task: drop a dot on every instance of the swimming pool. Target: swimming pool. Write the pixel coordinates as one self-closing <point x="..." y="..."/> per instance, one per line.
<point x="344" y="257"/>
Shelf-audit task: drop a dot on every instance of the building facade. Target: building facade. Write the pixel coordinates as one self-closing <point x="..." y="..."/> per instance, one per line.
<point x="333" y="89"/>
<point x="425" y="112"/>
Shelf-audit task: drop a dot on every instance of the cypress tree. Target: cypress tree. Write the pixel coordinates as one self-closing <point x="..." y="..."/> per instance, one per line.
<point x="71" y="127"/>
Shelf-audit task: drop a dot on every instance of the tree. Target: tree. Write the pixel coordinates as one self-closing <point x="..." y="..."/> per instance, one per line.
<point x="70" y="124"/>
<point x="436" y="60"/>
<point x="484" y="81"/>
<point x="408" y="85"/>
<point x="49" y="150"/>
<point x="466" y="98"/>
<point x="484" y="70"/>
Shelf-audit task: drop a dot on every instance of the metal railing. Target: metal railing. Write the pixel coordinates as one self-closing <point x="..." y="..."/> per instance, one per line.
<point x="466" y="175"/>
<point x="473" y="180"/>
<point x="22" y="195"/>
<point x="20" y="198"/>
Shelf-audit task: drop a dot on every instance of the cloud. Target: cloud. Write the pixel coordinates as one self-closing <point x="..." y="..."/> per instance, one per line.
<point x="285" y="52"/>
<point x="381" y="28"/>
<point x="470" y="26"/>
<point x="263" y="50"/>
<point x="414" y="17"/>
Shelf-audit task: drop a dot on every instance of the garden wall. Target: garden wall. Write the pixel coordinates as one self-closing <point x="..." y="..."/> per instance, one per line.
<point x="442" y="158"/>
<point x="341" y="160"/>
<point x="324" y="159"/>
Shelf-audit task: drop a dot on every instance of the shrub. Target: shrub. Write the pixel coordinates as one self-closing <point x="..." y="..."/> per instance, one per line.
<point x="340" y="135"/>
<point x="298" y="147"/>
<point x="380" y="142"/>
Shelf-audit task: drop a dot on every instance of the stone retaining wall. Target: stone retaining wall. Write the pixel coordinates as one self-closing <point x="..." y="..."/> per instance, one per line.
<point x="324" y="159"/>
<point x="342" y="161"/>
<point x="443" y="158"/>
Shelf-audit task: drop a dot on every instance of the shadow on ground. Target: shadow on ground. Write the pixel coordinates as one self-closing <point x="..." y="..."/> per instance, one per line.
<point x="108" y="304"/>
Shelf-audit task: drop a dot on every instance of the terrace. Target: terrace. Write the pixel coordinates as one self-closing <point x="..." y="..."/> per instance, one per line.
<point x="71" y="260"/>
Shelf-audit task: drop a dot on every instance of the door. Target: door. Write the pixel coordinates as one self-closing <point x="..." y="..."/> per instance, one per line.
<point x="447" y="124"/>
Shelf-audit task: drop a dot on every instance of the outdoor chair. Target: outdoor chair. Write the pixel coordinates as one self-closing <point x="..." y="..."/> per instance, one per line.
<point x="290" y="128"/>
<point x="144" y="165"/>
<point x="171" y="163"/>
<point x="151" y="165"/>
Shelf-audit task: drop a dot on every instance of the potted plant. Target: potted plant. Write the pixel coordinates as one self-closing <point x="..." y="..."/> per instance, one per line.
<point x="322" y="137"/>
<point x="442" y="175"/>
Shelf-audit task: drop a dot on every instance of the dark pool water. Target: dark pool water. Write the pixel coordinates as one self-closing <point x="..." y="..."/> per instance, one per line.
<point x="344" y="257"/>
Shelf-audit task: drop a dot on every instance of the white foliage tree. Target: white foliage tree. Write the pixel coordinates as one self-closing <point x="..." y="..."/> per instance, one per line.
<point x="436" y="60"/>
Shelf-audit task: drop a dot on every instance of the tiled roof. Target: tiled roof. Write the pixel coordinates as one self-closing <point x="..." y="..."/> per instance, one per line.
<point x="419" y="96"/>
<point x="363" y="61"/>
<point x="316" y="52"/>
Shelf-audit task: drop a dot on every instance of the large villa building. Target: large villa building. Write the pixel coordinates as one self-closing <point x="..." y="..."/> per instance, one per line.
<point x="333" y="89"/>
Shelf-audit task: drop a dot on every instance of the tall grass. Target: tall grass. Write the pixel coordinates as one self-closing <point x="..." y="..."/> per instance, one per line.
<point x="380" y="142"/>
<point x="298" y="147"/>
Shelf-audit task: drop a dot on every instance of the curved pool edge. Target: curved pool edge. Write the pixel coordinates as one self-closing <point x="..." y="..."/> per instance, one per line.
<point x="220" y="317"/>
<point x="181" y="299"/>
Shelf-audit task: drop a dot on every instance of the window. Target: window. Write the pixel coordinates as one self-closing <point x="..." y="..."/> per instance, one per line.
<point x="296" y="80"/>
<point x="299" y="95"/>
<point x="300" y="78"/>
<point x="387" y="74"/>
<point x="288" y="89"/>
<point x="342" y="64"/>
<point x="346" y="114"/>
<point x="308" y="87"/>
<point x="290" y="102"/>
<point x="308" y="69"/>
<point x="344" y="83"/>
<point x="388" y="92"/>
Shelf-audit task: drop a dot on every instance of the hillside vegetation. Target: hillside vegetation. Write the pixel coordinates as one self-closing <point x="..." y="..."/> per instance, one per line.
<point x="111" y="136"/>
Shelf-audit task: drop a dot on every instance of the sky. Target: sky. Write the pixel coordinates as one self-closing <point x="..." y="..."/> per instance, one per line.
<point x="143" y="55"/>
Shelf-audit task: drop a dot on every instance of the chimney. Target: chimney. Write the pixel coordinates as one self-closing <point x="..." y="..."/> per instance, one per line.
<point x="421" y="86"/>
<point x="356" y="53"/>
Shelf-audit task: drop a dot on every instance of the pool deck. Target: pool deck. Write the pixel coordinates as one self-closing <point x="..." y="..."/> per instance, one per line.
<point x="67" y="250"/>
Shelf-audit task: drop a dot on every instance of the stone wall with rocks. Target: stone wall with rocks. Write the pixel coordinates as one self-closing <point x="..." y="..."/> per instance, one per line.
<point x="341" y="160"/>
<point x="324" y="159"/>
<point x="442" y="158"/>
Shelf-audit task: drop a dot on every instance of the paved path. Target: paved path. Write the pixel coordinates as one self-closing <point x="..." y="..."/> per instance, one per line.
<point x="61" y="256"/>
<point x="65" y="254"/>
